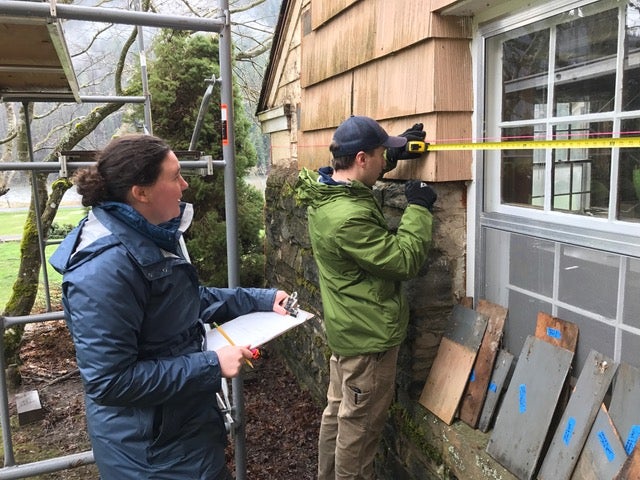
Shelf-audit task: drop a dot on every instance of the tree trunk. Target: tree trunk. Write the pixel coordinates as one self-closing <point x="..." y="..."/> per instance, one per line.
<point x="25" y="288"/>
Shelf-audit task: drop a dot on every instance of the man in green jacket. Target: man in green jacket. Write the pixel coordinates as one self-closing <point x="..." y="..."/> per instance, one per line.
<point x="361" y="265"/>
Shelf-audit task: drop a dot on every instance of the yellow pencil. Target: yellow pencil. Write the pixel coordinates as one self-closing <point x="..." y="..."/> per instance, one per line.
<point x="228" y="339"/>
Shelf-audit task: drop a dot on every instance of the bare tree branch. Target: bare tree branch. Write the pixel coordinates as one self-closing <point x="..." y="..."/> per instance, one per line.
<point x="87" y="48"/>
<point x="244" y="8"/>
<point x="254" y="52"/>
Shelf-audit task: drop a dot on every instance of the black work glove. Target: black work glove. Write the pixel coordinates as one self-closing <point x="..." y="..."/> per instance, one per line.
<point x="400" y="153"/>
<point x="419" y="193"/>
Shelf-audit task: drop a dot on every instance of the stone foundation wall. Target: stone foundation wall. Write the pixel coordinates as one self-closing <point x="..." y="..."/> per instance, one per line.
<point x="416" y="445"/>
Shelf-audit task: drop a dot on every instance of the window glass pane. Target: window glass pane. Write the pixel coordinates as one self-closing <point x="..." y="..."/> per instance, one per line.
<point x="584" y="77"/>
<point x="531" y="265"/>
<point x="496" y="264"/>
<point x="588" y="279"/>
<point x="523" y="170"/>
<point x="592" y="335"/>
<point x="631" y="297"/>
<point x="525" y="63"/>
<point x="631" y="88"/>
<point x="630" y="348"/>
<point x="581" y="176"/>
<point x="523" y="315"/>
<point x="582" y="96"/>
<point x="631" y="83"/>
<point x="629" y="176"/>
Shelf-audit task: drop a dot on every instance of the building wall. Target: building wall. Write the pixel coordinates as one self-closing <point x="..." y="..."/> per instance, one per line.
<point x="386" y="60"/>
<point x="279" y="118"/>
<point x="351" y="63"/>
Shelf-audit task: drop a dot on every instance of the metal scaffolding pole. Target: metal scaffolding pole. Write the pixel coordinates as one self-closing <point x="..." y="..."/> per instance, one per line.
<point x="36" y="205"/>
<point x="145" y="78"/>
<point x="221" y="25"/>
<point x="231" y="210"/>
<point x="108" y="15"/>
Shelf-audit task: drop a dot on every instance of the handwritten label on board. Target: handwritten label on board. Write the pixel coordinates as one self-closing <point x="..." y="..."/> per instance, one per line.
<point x="606" y="446"/>
<point x="554" y="333"/>
<point x="568" y="432"/>
<point x="632" y="439"/>
<point x="523" y="398"/>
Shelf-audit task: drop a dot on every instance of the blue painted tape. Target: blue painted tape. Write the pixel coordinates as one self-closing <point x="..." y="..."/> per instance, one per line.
<point x="472" y="378"/>
<point x="493" y="387"/>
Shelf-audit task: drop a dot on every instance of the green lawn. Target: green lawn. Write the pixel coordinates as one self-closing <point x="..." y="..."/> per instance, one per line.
<point x="12" y="225"/>
<point x="13" y="221"/>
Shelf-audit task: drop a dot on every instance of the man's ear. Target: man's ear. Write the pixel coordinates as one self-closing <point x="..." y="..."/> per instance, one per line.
<point x="140" y="194"/>
<point x="361" y="159"/>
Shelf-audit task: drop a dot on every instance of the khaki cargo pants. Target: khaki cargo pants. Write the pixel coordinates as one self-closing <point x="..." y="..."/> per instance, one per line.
<point x="360" y="392"/>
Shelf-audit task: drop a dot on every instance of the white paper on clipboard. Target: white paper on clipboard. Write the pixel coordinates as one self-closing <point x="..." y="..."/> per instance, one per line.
<point x="255" y="329"/>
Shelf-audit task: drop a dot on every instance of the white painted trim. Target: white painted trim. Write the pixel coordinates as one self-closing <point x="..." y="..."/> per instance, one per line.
<point x="276" y="119"/>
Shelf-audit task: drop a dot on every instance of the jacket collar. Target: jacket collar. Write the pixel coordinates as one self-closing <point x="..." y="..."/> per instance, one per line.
<point x="165" y="235"/>
<point x="105" y="230"/>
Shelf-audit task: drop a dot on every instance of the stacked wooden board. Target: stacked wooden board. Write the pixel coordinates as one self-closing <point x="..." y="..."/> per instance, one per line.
<point x="547" y="427"/>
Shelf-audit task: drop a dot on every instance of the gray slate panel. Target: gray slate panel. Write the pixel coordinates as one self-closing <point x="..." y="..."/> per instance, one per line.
<point x="494" y="390"/>
<point x="581" y="411"/>
<point x="603" y="455"/>
<point x="524" y="418"/>
<point x="466" y="327"/>
<point x="625" y="406"/>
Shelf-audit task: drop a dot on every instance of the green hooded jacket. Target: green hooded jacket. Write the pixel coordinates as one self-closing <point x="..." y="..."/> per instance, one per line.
<point x="361" y="263"/>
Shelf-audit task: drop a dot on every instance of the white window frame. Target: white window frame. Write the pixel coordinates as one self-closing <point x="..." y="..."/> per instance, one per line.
<point x="604" y="234"/>
<point x="492" y="159"/>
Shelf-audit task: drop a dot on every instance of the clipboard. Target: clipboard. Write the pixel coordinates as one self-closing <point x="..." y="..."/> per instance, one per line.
<point x="255" y="329"/>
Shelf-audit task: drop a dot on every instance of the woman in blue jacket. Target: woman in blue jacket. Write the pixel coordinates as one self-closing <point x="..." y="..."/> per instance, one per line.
<point x="136" y="312"/>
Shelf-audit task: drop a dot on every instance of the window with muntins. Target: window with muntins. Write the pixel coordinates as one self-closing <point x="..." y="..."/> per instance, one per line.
<point x="559" y="228"/>
<point x="574" y="75"/>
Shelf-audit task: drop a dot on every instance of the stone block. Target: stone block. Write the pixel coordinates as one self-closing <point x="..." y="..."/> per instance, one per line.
<point x="29" y="407"/>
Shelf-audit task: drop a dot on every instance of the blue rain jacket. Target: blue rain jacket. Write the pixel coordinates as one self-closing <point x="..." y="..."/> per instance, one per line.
<point x="136" y="314"/>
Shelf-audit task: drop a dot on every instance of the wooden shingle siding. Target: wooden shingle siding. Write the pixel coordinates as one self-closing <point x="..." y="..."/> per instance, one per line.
<point x="324" y="10"/>
<point x="393" y="61"/>
<point x="370" y="30"/>
<point x="397" y="62"/>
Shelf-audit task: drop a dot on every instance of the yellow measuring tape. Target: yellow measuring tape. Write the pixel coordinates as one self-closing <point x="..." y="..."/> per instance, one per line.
<point x="624" y="142"/>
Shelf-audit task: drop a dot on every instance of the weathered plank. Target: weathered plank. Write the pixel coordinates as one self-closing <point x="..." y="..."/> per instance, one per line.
<point x="624" y="408"/>
<point x="466" y="302"/>
<point x="581" y="411"/>
<point x="556" y="331"/>
<point x="631" y="468"/>
<point x="603" y="455"/>
<point x="524" y="418"/>
<point x="476" y="390"/>
<point x="447" y="378"/>
<point x="453" y="363"/>
<point x="494" y="390"/>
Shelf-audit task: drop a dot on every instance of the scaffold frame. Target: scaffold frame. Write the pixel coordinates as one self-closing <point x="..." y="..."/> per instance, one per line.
<point x="52" y="12"/>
